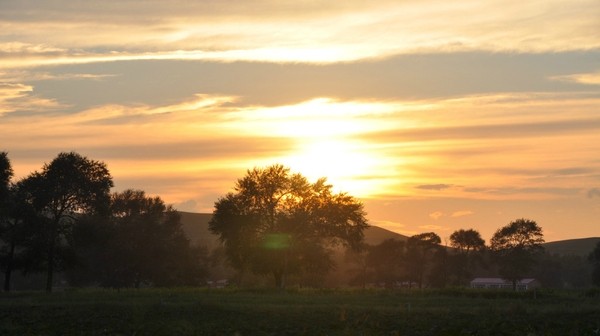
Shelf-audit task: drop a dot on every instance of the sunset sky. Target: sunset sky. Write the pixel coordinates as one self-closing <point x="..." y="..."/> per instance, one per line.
<point x="438" y="115"/>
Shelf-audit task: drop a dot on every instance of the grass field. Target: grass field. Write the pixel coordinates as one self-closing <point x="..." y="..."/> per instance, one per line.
<point x="299" y="312"/>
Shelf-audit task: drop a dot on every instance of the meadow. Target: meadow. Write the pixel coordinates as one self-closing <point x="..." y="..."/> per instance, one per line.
<point x="299" y="312"/>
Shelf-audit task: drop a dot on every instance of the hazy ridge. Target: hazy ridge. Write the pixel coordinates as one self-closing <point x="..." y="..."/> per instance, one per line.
<point x="195" y="226"/>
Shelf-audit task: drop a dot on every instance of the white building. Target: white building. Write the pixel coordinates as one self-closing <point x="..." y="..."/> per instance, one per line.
<point x="499" y="283"/>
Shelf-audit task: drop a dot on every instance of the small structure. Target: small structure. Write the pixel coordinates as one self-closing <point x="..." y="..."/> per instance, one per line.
<point x="499" y="283"/>
<point x="218" y="283"/>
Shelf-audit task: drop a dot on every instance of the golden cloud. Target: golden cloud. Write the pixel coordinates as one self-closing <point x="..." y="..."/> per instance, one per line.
<point x="301" y="34"/>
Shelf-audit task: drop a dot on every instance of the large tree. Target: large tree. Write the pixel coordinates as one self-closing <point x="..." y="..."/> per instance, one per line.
<point x="66" y="188"/>
<point x="142" y="242"/>
<point x="466" y="241"/>
<point x="16" y="217"/>
<point x="516" y="246"/>
<point x="279" y="223"/>
<point x="19" y="235"/>
<point x="467" y="244"/>
<point x="420" y="252"/>
<point x="6" y="173"/>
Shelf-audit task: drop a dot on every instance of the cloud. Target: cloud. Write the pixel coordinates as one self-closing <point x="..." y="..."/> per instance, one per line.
<point x="585" y="78"/>
<point x="433" y="227"/>
<point x="421" y="85"/>
<point x="498" y="131"/>
<point x="436" y="187"/>
<point x="189" y="205"/>
<point x="245" y="30"/>
<point x="18" y="97"/>
<point x="462" y="213"/>
<point x="22" y="75"/>
<point x="594" y="192"/>
<point x="436" y="215"/>
<point x="390" y="225"/>
<point x="22" y="48"/>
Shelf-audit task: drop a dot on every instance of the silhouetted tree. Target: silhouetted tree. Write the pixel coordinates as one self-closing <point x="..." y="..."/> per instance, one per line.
<point x="420" y="250"/>
<point x="594" y="258"/>
<point x="466" y="243"/>
<point x="16" y="219"/>
<point x="563" y="271"/>
<point x="439" y="274"/>
<point x="6" y="173"/>
<point x="386" y="259"/>
<point x="21" y="240"/>
<point x="515" y="247"/>
<point x="67" y="187"/>
<point x="280" y="224"/>
<point x="91" y="257"/>
<point x="142" y="242"/>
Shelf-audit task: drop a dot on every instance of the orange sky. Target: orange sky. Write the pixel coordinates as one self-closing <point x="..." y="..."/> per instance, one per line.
<point x="438" y="115"/>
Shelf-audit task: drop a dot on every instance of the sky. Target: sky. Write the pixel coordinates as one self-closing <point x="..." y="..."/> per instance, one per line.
<point x="437" y="115"/>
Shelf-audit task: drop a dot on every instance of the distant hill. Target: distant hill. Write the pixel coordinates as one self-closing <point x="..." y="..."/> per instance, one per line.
<point x="195" y="226"/>
<point x="579" y="247"/>
<point x="375" y="235"/>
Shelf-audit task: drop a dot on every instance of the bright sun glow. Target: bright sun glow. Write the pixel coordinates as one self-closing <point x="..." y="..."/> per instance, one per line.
<point x="325" y="133"/>
<point x="346" y="164"/>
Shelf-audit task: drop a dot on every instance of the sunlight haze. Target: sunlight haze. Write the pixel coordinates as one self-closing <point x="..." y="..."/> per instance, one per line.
<point x="437" y="115"/>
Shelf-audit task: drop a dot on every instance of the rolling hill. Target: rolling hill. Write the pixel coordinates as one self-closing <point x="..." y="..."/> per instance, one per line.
<point x="195" y="226"/>
<point x="579" y="247"/>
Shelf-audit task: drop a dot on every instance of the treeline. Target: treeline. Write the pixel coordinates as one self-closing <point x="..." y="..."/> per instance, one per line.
<point x="65" y="219"/>
<point x="515" y="252"/>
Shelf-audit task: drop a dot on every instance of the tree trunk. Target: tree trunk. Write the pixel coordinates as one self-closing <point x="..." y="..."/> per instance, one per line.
<point x="279" y="281"/>
<point x="51" y="252"/>
<point x="364" y="277"/>
<point x="50" y="275"/>
<point x="9" y="266"/>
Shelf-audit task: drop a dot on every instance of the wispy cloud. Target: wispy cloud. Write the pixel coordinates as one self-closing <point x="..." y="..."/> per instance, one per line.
<point x="462" y="213"/>
<point x="433" y="228"/>
<point x="584" y="78"/>
<point x="19" y="97"/>
<point x="303" y="31"/>
<point x="594" y="192"/>
<point x="431" y="101"/>
<point x="436" y="187"/>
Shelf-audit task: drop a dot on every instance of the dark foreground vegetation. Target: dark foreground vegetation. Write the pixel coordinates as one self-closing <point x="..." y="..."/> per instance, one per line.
<point x="300" y="312"/>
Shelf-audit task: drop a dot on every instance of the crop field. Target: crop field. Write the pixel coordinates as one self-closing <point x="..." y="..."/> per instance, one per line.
<point x="299" y="312"/>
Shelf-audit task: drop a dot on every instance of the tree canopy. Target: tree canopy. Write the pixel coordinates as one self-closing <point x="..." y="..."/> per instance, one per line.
<point x="467" y="240"/>
<point x="6" y="173"/>
<point x="142" y="242"/>
<point x="516" y="246"/>
<point x="68" y="186"/>
<point x="420" y="251"/>
<point x="279" y="223"/>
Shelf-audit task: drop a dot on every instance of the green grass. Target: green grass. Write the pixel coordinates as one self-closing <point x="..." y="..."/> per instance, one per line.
<point x="298" y="312"/>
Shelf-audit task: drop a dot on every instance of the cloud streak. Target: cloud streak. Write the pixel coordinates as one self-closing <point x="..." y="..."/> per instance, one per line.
<point x="449" y="105"/>
<point x="244" y="31"/>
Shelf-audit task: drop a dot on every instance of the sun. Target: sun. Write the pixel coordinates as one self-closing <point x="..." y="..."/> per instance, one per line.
<point x="329" y="138"/>
<point x="346" y="164"/>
